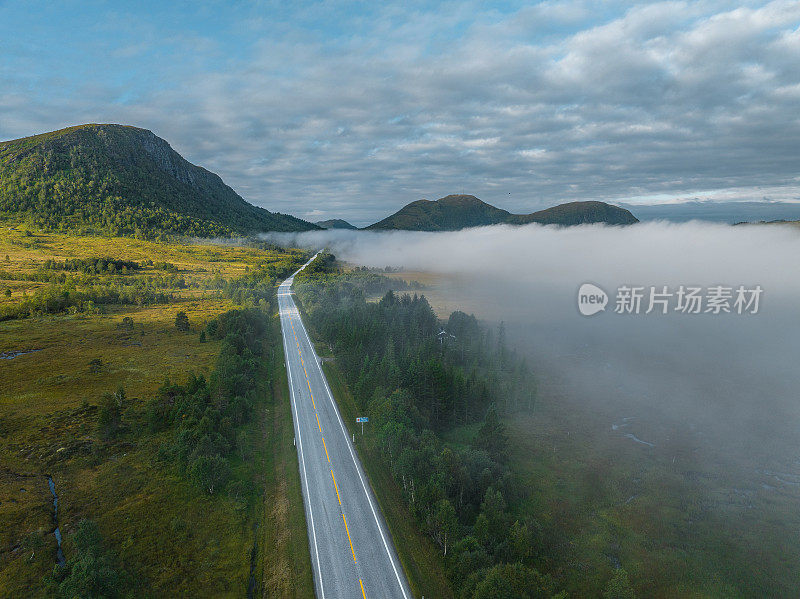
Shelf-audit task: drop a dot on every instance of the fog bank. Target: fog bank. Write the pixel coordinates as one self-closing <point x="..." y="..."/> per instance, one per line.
<point x="735" y="376"/>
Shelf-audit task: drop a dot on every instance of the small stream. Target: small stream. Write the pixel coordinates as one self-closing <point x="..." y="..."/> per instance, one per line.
<point x="638" y="440"/>
<point x="10" y="355"/>
<point x="57" y="532"/>
<point x="625" y="422"/>
<point x="786" y="478"/>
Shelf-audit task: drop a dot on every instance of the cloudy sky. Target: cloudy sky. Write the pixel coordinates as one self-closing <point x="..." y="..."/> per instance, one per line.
<point x="352" y="109"/>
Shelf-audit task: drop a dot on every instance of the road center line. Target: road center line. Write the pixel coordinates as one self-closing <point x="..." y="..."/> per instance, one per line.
<point x="349" y="539"/>
<point x="303" y="462"/>
<point x="358" y="469"/>
<point x="335" y="486"/>
<point x="291" y="313"/>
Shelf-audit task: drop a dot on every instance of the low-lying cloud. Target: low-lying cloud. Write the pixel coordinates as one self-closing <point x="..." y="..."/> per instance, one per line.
<point x="733" y="376"/>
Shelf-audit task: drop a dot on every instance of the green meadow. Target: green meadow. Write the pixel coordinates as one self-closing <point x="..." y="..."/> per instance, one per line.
<point x="90" y="333"/>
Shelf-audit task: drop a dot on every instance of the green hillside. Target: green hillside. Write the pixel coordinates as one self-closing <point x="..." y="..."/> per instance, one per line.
<point x="450" y="213"/>
<point x="335" y="223"/>
<point x="455" y="212"/>
<point x="124" y="181"/>
<point x="578" y="213"/>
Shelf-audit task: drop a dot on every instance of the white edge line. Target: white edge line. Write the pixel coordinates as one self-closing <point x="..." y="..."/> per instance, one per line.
<point x="302" y="459"/>
<point x="352" y="455"/>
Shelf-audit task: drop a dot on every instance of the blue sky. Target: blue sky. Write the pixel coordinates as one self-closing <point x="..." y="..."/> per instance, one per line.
<point x="352" y="109"/>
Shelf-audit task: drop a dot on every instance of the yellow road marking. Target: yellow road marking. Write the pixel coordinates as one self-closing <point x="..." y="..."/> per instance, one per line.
<point x="353" y="551"/>
<point x="335" y="486"/>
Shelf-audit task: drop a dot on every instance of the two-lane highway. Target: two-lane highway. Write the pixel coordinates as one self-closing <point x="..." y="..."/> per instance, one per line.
<point x="351" y="551"/>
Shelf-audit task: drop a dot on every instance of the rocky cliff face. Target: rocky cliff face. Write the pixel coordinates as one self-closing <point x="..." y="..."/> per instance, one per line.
<point x="168" y="159"/>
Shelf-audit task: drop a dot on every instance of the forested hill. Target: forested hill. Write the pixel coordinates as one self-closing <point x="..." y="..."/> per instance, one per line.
<point x="335" y="223"/>
<point x="455" y="212"/>
<point x="124" y="181"/>
<point x="577" y="213"/>
<point x="450" y="213"/>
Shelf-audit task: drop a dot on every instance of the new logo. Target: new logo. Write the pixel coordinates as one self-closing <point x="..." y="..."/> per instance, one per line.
<point x="591" y="299"/>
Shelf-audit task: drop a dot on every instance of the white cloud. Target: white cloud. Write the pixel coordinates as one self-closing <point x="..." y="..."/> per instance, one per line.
<point x="552" y="103"/>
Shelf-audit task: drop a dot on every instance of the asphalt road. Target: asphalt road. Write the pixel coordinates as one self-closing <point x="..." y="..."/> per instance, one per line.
<point x="352" y="554"/>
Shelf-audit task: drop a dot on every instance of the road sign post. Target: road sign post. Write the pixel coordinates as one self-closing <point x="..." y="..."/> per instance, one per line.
<point x="362" y="420"/>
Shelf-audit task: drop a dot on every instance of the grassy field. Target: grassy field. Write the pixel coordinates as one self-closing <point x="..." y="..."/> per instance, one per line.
<point x="173" y="539"/>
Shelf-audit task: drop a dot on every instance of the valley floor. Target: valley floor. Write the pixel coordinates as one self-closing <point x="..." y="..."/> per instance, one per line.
<point x="170" y="537"/>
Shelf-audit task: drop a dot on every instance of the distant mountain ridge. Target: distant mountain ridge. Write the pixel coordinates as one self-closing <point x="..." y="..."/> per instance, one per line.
<point x="730" y="212"/>
<point x="335" y="223"/>
<point x="578" y="213"/>
<point x="125" y="181"/>
<point x="455" y="212"/>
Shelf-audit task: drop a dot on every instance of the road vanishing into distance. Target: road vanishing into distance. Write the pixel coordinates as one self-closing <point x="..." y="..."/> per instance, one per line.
<point x="352" y="554"/>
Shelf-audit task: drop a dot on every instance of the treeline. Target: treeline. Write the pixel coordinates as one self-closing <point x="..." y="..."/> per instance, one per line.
<point x="207" y="415"/>
<point x="88" y="289"/>
<point x="93" y="269"/>
<point x="69" y="297"/>
<point x="362" y="279"/>
<point x="82" y="285"/>
<point x="418" y="378"/>
<point x="92" y="265"/>
<point x="257" y="285"/>
<point x="87" y="207"/>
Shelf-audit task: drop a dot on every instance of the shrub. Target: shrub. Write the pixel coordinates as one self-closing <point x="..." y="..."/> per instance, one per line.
<point x="619" y="587"/>
<point x="182" y="322"/>
<point x="211" y="473"/>
<point x="92" y="571"/>
<point x="110" y="419"/>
